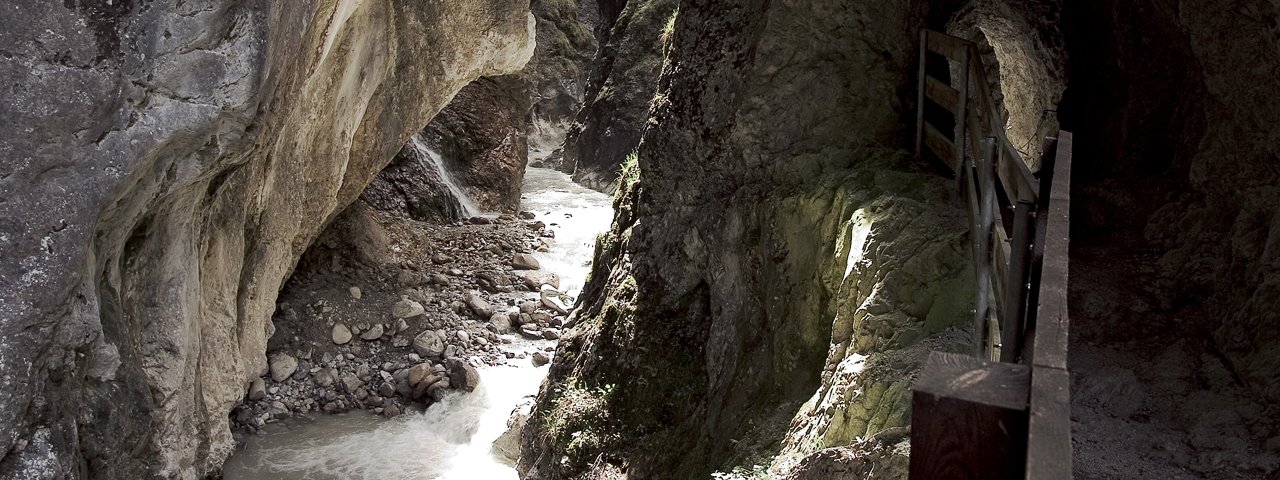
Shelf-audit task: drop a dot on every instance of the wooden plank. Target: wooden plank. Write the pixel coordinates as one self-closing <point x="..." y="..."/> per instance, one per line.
<point x="1052" y="324"/>
<point x="1000" y="258"/>
<point x="951" y="47"/>
<point x="982" y="247"/>
<point x="962" y="113"/>
<point x="983" y="94"/>
<point x="1049" y="425"/>
<point x="940" y="145"/>
<point x="942" y="94"/>
<point x="1015" y="295"/>
<point x="1017" y="178"/>
<point x="993" y="337"/>
<point x="920" y="96"/>
<point x="969" y="419"/>
<point x="974" y="130"/>
<point x="969" y="189"/>
<point x="1048" y="149"/>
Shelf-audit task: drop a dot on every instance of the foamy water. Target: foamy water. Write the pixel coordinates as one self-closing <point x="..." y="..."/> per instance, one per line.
<point x="575" y="213"/>
<point x="450" y="440"/>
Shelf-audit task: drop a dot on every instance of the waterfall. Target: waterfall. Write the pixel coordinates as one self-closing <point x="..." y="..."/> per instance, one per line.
<point x="437" y="160"/>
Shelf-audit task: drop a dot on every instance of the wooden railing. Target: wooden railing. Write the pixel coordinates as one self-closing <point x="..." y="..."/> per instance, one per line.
<point x="1003" y="412"/>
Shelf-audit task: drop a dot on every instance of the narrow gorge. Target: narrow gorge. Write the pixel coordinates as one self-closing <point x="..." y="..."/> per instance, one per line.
<point x="630" y="239"/>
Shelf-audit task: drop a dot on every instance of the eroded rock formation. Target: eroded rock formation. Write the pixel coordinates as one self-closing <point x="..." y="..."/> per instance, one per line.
<point x="771" y="225"/>
<point x="485" y="136"/>
<point x="165" y="166"/>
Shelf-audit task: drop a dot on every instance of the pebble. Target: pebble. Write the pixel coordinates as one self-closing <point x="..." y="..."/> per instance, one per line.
<point x="355" y="292"/>
<point x="373" y="333"/>
<point x="257" y="389"/>
<point x="524" y="261"/>
<point x="406" y="308"/>
<point x="540" y="359"/>
<point x="282" y="366"/>
<point x="341" y="334"/>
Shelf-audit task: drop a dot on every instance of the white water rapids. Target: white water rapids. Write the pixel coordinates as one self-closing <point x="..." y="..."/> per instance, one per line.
<point x="453" y="438"/>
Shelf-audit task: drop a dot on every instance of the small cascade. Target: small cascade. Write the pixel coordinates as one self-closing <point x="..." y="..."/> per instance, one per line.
<point x="436" y="161"/>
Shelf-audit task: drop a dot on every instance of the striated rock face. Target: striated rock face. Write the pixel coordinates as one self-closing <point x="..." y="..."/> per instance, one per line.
<point x="772" y="224"/>
<point x="624" y="77"/>
<point x="166" y="165"/>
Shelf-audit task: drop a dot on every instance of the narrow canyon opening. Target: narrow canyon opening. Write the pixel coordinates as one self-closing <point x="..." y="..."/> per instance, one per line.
<point x="643" y="239"/>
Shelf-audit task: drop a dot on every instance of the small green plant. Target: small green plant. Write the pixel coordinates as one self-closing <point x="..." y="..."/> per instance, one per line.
<point x="628" y="176"/>
<point x="668" y="30"/>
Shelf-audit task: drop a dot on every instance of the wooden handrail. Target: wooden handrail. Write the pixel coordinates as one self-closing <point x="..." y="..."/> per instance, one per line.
<point x="1020" y="316"/>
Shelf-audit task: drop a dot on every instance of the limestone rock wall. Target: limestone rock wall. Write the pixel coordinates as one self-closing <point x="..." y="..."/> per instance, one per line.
<point x="771" y="224"/>
<point x="486" y="135"/>
<point x="164" y="167"/>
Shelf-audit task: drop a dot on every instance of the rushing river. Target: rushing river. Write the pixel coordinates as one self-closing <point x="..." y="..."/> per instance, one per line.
<point x="453" y="438"/>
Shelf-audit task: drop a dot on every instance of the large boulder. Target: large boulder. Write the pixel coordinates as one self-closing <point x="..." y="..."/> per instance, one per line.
<point x="341" y="334"/>
<point x="477" y="304"/>
<point x="428" y="344"/>
<point x="282" y="366"/>
<point x="462" y="375"/>
<point x="406" y="308"/>
<point x="524" y="261"/>
<point x="501" y="322"/>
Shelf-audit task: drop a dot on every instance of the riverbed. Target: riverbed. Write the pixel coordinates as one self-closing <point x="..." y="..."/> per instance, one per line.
<point x="453" y="438"/>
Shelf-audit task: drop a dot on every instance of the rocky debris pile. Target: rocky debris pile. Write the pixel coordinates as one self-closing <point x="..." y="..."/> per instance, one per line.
<point x="402" y="333"/>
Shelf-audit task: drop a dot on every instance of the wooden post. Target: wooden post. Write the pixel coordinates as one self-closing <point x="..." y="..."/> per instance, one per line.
<point x="981" y="232"/>
<point x="962" y="116"/>
<point x="969" y="419"/>
<point x="924" y="48"/>
<point x="1015" y="295"/>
